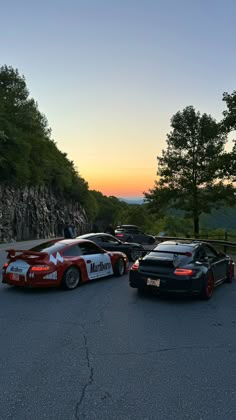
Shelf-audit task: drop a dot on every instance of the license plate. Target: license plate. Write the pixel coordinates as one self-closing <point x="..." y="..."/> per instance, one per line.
<point x="152" y="282"/>
<point x="14" y="276"/>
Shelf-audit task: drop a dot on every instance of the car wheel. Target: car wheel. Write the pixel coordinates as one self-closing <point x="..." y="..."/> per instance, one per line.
<point x="119" y="268"/>
<point x="71" y="278"/>
<point x="230" y="275"/>
<point x="135" y="254"/>
<point x="208" y="287"/>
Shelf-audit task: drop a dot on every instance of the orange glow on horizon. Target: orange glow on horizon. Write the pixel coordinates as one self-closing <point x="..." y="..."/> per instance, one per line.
<point x="121" y="186"/>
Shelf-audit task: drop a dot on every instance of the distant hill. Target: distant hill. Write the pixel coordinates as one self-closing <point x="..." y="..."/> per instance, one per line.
<point x="224" y="218"/>
<point x="132" y="200"/>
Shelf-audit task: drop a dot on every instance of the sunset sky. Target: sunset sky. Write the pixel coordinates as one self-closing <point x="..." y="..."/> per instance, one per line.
<point x="110" y="74"/>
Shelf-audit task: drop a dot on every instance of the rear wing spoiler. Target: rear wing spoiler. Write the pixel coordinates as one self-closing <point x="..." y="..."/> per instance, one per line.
<point x="186" y="254"/>
<point x="13" y="252"/>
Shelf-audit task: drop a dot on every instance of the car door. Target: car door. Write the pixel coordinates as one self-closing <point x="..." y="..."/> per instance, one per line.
<point x="98" y="262"/>
<point x="110" y="243"/>
<point x="218" y="263"/>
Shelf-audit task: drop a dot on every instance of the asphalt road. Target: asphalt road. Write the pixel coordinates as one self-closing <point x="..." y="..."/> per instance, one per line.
<point x="103" y="352"/>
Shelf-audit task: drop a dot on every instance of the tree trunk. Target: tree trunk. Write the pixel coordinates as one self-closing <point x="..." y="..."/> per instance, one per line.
<point x="196" y="226"/>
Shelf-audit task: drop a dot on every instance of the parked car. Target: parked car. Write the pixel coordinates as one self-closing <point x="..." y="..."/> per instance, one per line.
<point x="132" y="233"/>
<point x="182" y="267"/>
<point x="111" y="243"/>
<point x="67" y="263"/>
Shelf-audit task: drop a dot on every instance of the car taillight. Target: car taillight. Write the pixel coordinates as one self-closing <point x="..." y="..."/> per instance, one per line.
<point x="119" y="235"/>
<point x="183" y="272"/>
<point x="40" y="268"/>
<point x="5" y="265"/>
<point x="135" y="265"/>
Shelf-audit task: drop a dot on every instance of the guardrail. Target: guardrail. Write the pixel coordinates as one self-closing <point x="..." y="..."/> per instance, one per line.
<point x="223" y="243"/>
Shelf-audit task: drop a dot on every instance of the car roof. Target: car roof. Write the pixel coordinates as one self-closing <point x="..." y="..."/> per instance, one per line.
<point x="91" y="235"/>
<point x="127" y="226"/>
<point x="71" y="241"/>
<point x="86" y="235"/>
<point x="190" y="243"/>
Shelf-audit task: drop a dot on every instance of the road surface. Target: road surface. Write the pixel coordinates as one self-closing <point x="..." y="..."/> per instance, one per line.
<point x="102" y="352"/>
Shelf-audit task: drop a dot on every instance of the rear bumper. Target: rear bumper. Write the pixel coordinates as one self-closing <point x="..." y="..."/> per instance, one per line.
<point x="171" y="285"/>
<point x="39" y="283"/>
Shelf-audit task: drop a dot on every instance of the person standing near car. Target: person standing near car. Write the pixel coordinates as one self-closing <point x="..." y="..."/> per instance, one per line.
<point x="72" y="230"/>
<point x="68" y="231"/>
<point x="109" y="229"/>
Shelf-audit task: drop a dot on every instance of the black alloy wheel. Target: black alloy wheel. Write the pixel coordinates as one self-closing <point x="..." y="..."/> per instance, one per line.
<point x="208" y="287"/>
<point x="230" y="274"/>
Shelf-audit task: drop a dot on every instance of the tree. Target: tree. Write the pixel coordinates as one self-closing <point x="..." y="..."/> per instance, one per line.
<point x="228" y="124"/>
<point x="229" y="120"/>
<point x="108" y="209"/>
<point x="189" y="169"/>
<point x="28" y="155"/>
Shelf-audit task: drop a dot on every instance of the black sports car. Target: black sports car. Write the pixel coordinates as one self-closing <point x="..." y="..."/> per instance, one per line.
<point x="182" y="267"/>
<point x="132" y="233"/>
<point x="110" y="243"/>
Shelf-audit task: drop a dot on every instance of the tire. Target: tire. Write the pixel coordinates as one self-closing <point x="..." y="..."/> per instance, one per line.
<point x="230" y="275"/>
<point x="71" y="278"/>
<point x="119" y="268"/>
<point x="208" y="287"/>
<point x="135" y="254"/>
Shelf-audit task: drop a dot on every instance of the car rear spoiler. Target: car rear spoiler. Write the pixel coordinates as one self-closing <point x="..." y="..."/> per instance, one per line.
<point x="187" y="254"/>
<point x="12" y="253"/>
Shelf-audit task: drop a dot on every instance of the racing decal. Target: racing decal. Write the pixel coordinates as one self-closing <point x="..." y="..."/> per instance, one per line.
<point x="51" y="276"/>
<point x="18" y="268"/>
<point x="55" y="260"/>
<point x="98" y="265"/>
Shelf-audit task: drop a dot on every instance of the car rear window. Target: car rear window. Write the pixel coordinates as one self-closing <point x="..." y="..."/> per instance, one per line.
<point x="170" y="251"/>
<point x="49" y="247"/>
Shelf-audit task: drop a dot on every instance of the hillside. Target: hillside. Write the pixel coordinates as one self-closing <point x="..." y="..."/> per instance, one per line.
<point x="224" y="218"/>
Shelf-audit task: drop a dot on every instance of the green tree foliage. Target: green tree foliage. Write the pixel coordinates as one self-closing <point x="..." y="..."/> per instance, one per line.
<point x="189" y="169"/>
<point x="104" y="210"/>
<point x="228" y="124"/>
<point x="28" y="156"/>
<point x="229" y="120"/>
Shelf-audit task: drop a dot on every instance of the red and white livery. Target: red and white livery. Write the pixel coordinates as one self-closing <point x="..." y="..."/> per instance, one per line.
<point x="67" y="263"/>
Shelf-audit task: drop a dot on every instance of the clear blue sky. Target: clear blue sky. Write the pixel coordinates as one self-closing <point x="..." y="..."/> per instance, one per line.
<point x="109" y="75"/>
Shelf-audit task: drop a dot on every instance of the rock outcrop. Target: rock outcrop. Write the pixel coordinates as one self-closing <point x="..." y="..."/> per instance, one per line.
<point x="37" y="212"/>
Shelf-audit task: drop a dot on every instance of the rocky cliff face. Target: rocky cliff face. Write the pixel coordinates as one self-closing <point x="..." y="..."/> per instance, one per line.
<point x="36" y="212"/>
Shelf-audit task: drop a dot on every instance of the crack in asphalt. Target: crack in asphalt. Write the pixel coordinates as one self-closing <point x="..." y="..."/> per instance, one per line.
<point x="90" y="378"/>
<point x="87" y="356"/>
<point x="168" y="349"/>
